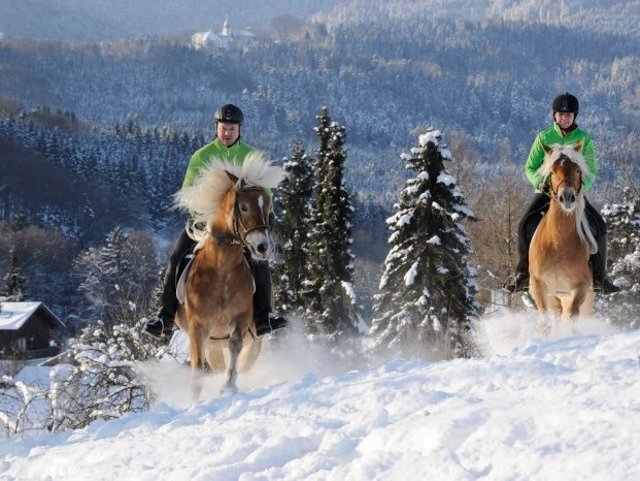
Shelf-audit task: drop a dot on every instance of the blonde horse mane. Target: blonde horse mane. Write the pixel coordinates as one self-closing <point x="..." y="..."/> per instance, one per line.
<point x="574" y="153"/>
<point x="204" y="197"/>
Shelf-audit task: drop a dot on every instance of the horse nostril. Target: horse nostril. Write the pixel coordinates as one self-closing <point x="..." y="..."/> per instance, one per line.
<point x="262" y="248"/>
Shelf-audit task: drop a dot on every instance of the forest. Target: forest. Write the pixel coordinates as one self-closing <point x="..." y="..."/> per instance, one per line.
<point x="95" y="134"/>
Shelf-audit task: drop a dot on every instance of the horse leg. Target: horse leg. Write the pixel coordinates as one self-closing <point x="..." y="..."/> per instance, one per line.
<point x="249" y="355"/>
<point x="215" y="356"/>
<point x="235" y="346"/>
<point x="537" y="291"/>
<point x="556" y="316"/>
<point x="582" y="302"/>
<point x="195" y="380"/>
<point x="586" y="309"/>
<point x="578" y="298"/>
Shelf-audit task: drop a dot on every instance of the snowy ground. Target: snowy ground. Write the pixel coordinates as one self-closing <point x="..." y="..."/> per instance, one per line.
<point x="565" y="408"/>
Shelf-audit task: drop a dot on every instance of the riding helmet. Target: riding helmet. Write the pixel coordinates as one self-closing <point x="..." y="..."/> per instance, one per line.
<point x="566" y="103"/>
<point x="229" y="114"/>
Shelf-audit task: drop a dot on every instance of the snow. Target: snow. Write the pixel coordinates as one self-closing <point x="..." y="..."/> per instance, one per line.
<point x="435" y="240"/>
<point x="410" y="275"/>
<point x="530" y="408"/>
<point x="401" y="220"/>
<point x="14" y="314"/>
<point x="432" y="136"/>
<point x="446" y="179"/>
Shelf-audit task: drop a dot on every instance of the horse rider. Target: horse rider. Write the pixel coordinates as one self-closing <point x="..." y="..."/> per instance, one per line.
<point x="564" y="130"/>
<point x="227" y="146"/>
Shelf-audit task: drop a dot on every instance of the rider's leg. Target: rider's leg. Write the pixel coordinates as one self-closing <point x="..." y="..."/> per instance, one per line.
<point x="262" y="298"/>
<point x="163" y="322"/>
<point x="601" y="281"/>
<point x="526" y="229"/>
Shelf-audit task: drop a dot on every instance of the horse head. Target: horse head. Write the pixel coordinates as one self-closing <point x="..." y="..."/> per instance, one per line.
<point x="563" y="169"/>
<point x="252" y="205"/>
<point x="233" y="202"/>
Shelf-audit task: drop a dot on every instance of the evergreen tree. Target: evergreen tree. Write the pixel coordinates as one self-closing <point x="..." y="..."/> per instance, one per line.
<point x="623" y="221"/>
<point x="330" y="299"/>
<point x="292" y="217"/>
<point x="18" y="221"/>
<point x="426" y="296"/>
<point x="118" y="278"/>
<point x="14" y="289"/>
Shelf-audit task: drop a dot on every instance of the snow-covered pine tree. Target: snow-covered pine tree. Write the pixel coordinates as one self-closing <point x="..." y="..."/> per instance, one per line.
<point x="312" y="282"/>
<point x="623" y="221"/>
<point x="292" y="217"/>
<point x="330" y="300"/>
<point x="426" y="297"/>
<point x="118" y="278"/>
<point x="14" y="284"/>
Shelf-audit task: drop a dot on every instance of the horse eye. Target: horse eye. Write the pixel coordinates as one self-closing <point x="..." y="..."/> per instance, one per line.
<point x="244" y="208"/>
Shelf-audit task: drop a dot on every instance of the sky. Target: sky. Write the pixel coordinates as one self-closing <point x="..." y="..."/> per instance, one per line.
<point x="529" y="407"/>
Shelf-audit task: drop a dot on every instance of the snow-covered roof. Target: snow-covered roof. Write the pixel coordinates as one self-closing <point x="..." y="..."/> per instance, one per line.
<point x="13" y="315"/>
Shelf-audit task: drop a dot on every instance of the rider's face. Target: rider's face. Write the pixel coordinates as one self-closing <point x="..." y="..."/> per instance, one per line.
<point x="227" y="133"/>
<point x="564" y="119"/>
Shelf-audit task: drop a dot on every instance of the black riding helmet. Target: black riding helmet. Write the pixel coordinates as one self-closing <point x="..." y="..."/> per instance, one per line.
<point x="566" y="103"/>
<point x="229" y="114"/>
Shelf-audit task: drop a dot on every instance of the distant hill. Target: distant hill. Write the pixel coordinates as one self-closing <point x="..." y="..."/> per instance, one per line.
<point x="483" y="71"/>
<point x="109" y="19"/>
<point x="601" y="16"/>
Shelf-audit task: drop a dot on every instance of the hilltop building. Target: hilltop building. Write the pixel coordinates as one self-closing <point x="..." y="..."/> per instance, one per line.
<point x="221" y="40"/>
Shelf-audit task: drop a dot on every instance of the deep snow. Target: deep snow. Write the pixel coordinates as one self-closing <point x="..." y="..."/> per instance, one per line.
<point x="531" y="409"/>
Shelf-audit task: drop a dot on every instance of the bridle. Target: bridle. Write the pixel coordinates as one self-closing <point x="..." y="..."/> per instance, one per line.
<point x="553" y="194"/>
<point x="240" y="229"/>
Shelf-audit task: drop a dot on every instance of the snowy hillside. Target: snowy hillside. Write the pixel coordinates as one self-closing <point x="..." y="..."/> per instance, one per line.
<point x="559" y="409"/>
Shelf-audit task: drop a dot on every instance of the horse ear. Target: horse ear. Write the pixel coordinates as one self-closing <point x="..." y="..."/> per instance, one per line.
<point x="578" y="147"/>
<point x="547" y="150"/>
<point x="232" y="177"/>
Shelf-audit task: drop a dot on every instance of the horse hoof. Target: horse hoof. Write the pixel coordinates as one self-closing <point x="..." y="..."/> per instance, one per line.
<point x="229" y="390"/>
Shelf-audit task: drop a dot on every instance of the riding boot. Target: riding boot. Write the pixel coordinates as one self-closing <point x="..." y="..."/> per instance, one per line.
<point x="520" y="281"/>
<point x="265" y="321"/>
<point x="601" y="282"/>
<point x="163" y="323"/>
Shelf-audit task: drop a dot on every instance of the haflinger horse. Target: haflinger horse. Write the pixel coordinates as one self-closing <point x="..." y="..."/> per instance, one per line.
<point x="231" y="206"/>
<point x="560" y="279"/>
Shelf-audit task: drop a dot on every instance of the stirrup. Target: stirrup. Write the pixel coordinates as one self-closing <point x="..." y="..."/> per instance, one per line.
<point x="273" y="323"/>
<point x="604" y="286"/>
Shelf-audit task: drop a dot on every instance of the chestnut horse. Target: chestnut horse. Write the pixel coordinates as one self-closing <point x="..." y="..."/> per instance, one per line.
<point x="560" y="278"/>
<point x="231" y="206"/>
